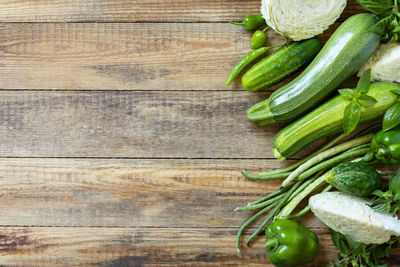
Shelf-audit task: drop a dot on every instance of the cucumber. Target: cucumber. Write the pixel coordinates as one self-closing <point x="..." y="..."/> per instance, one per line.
<point x="354" y="178"/>
<point x="280" y="64"/>
<point x="327" y="120"/>
<point x="342" y="56"/>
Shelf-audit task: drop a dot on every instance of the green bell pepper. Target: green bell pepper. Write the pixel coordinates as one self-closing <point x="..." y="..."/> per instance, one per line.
<point x="386" y="146"/>
<point x="290" y="243"/>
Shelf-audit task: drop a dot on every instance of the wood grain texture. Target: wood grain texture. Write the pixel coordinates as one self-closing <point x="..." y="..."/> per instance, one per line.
<point x="159" y="223"/>
<point x="123" y="56"/>
<point x="129" y="193"/>
<point x="21" y="246"/>
<point x="134" y="11"/>
<point x="136" y="124"/>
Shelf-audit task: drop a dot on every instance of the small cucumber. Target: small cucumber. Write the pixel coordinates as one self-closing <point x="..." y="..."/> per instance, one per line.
<point x="342" y="56"/>
<point x="355" y="178"/>
<point x="280" y="64"/>
<point x="327" y="120"/>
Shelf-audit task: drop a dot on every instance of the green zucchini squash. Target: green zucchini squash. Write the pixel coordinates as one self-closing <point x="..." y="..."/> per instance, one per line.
<point x="342" y="56"/>
<point x="280" y="64"/>
<point x="354" y="178"/>
<point x="327" y="119"/>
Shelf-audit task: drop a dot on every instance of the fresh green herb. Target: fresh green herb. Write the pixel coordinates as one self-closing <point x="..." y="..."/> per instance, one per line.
<point x="391" y="118"/>
<point x="388" y="201"/>
<point x="377" y="6"/>
<point x="388" y="13"/>
<point x="358" y="98"/>
<point x="392" y="115"/>
<point x="359" y="254"/>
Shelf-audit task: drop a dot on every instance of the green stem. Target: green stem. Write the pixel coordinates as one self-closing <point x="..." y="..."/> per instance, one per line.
<point x="249" y="221"/>
<point x="287" y="210"/>
<point x="260" y="205"/>
<point x="326" y="154"/>
<point x="266" y="175"/>
<point x="306" y="209"/>
<point x="272" y="214"/>
<point x="348" y="155"/>
<point x="266" y="29"/>
<point x="276" y="193"/>
<point x="237" y="23"/>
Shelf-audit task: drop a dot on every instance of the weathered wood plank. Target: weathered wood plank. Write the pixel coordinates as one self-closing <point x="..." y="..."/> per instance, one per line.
<point x="135" y="247"/>
<point x="129" y="193"/>
<point x="137" y="124"/>
<point x="171" y="225"/>
<point x="139" y="247"/>
<point x="125" y="56"/>
<point x="133" y="11"/>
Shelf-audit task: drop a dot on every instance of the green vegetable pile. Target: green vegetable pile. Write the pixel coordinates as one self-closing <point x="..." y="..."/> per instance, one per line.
<point x="341" y="182"/>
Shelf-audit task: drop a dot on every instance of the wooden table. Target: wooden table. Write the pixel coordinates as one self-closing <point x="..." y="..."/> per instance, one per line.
<point x="120" y="145"/>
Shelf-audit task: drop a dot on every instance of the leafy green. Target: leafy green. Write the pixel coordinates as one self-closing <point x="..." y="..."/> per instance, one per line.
<point x="376" y="6"/>
<point x="388" y="201"/>
<point x="389" y="18"/>
<point x="391" y="118"/>
<point x="358" y="98"/>
<point x="348" y="94"/>
<point x="365" y="82"/>
<point x="359" y="254"/>
<point x="352" y="115"/>
<point x="366" y="100"/>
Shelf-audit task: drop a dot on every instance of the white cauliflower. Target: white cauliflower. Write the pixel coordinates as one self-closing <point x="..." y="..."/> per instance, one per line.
<point x="385" y="63"/>
<point x="351" y="215"/>
<point x="301" y="19"/>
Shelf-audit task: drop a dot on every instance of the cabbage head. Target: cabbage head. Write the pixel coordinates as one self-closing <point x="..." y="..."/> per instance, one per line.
<point x="385" y="63"/>
<point x="301" y="19"/>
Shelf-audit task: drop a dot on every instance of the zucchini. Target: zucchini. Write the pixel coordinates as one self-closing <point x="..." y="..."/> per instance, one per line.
<point x="280" y="64"/>
<point x="342" y="56"/>
<point x="327" y="120"/>
<point x="354" y="178"/>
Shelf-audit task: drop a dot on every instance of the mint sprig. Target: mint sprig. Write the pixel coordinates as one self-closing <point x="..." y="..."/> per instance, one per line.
<point x="358" y="98"/>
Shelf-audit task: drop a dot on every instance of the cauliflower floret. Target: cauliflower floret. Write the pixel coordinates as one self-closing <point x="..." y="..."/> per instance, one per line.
<point x="301" y="19"/>
<point x="385" y="63"/>
<point x="352" y="216"/>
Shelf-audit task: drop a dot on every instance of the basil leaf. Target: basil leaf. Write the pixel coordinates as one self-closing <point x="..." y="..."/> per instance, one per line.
<point x="397" y="92"/>
<point x="376" y="6"/>
<point x="347" y="93"/>
<point x="340" y="242"/>
<point x="379" y="252"/>
<point x="382" y="27"/>
<point x="378" y="193"/>
<point x="351" y="117"/>
<point x="366" y="100"/>
<point x="364" y="82"/>
<point x="396" y="29"/>
<point x="391" y="118"/>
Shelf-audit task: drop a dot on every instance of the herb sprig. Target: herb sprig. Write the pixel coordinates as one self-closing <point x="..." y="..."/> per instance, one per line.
<point x="389" y="18"/>
<point x="358" y="98"/>
<point x="359" y="254"/>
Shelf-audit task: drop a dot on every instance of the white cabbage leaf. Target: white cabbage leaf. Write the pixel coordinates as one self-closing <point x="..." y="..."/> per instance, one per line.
<point x="301" y="19"/>
<point x="385" y="63"/>
<point x="352" y="216"/>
